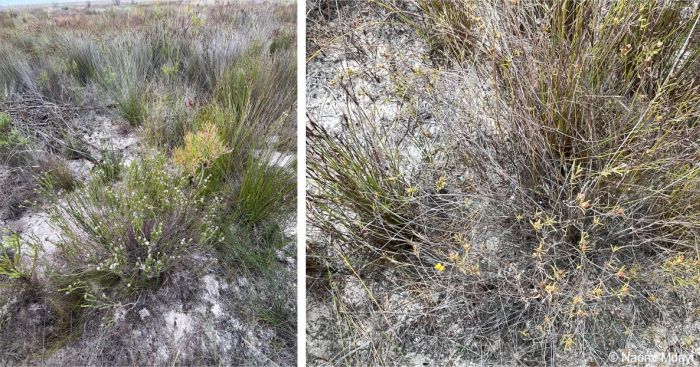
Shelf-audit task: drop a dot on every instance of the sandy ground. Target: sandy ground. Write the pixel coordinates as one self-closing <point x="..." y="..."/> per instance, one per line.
<point x="199" y="317"/>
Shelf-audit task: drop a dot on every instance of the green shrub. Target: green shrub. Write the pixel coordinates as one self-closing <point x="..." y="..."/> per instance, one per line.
<point x="123" y="239"/>
<point x="56" y="176"/>
<point x="281" y="43"/>
<point x="133" y="105"/>
<point x="13" y="145"/>
<point x="13" y="265"/>
<point x="109" y="168"/>
<point x="9" y="137"/>
<point x="201" y="150"/>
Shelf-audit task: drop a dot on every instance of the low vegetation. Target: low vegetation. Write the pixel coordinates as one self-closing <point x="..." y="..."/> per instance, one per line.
<point x="581" y="161"/>
<point x="149" y="136"/>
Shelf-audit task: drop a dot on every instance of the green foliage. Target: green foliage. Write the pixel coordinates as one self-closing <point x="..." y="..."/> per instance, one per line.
<point x="251" y="250"/>
<point x="13" y="265"/>
<point x="10" y="137"/>
<point x="57" y="176"/>
<point x="110" y="167"/>
<point x="283" y="42"/>
<point x="133" y="106"/>
<point x="13" y="144"/>
<point x="201" y="150"/>
<point x="120" y="240"/>
<point x="264" y="190"/>
<point x="83" y="58"/>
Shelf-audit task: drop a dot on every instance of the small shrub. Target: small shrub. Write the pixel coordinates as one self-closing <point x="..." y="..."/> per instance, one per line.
<point x="109" y="168"/>
<point x="13" y="265"/>
<point x="281" y="43"/>
<point x="9" y="136"/>
<point x="201" y="149"/>
<point x="13" y="145"/>
<point x="123" y="239"/>
<point x="56" y="176"/>
<point x="133" y="106"/>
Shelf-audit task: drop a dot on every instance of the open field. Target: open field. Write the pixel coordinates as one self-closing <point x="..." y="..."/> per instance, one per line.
<point x="503" y="182"/>
<point x="147" y="181"/>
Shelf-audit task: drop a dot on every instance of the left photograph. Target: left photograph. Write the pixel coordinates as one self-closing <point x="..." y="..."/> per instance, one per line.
<point x="147" y="183"/>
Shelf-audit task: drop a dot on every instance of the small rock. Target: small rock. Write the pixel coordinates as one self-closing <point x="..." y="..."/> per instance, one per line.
<point x="144" y="314"/>
<point x="119" y="314"/>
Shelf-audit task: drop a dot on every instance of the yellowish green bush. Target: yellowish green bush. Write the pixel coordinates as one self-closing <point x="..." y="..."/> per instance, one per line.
<point x="15" y="262"/>
<point x="201" y="149"/>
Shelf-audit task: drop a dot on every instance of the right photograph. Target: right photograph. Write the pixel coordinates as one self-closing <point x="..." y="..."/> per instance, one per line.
<point x="503" y="182"/>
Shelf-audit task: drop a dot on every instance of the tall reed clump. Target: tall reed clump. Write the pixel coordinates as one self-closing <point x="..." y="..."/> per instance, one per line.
<point x="253" y="119"/>
<point x="83" y="57"/>
<point x="125" y="238"/>
<point x="15" y="72"/>
<point x="594" y="160"/>
<point x="125" y="75"/>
